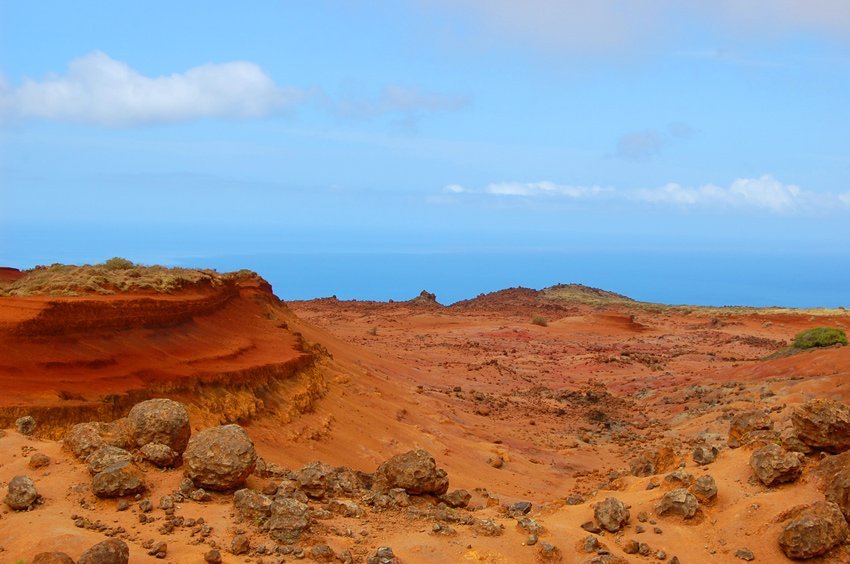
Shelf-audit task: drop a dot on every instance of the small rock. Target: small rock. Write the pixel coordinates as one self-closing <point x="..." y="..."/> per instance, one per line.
<point x="631" y="547"/>
<point x="680" y="478"/>
<point x="21" y="493"/>
<point x="25" y="425"/>
<point x="813" y="532"/>
<point x="212" y="557"/>
<point x="158" y="549"/>
<point x="110" y="551"/>
<point x="519" y="509"/>
<point x="590" y="543"/>
<point x="745" y="554"/>
<point x="251" y="505"/>
<point x="289" y="518"/>
<point x="160" y="455"/>
<point x="549" y="554"/>
<point x="322" y="553"/>
<point x="611" y="514"/>
<point x="118" y="480"/>
<point x="456" y="498"/>
<point x="705" y="488"/>
<point x="591" y="527"/>
<point x="773" y="465"/>
<point x="488" y="528"/>
<point x="678" y="502"/>
<point x="106" y="456"/>
<point x="145" y="506"/>
<point x="39" y="460"/>
<point x="496" y="461"/>
<point x="704" y="454"/>
<point x="240" y="545"/>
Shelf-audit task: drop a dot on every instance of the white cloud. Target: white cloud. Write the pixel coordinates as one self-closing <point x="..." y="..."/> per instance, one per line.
<point x="100" y="90"/>
<point x="531" y="189"/>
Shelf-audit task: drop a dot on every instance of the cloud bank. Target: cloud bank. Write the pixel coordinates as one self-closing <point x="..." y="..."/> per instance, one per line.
<point x="762" y="194"/>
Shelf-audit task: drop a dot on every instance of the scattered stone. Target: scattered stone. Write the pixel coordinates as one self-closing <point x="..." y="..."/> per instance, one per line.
<point x="456" y="498"/>
<point x="161" y="421"/>
<point x="251" y="505"/>
<point x="488" y="528"/>
<point x="591" y="527"/>
<point x="678" y="502"/>
<point x="680" y="478"/>
<point x="106" y="456"/>
<point x="25" y="425"/>
<point x="289" y="518"/>
<point x="322" y="553"/>
<point x="52" y="558"/>
<point x="240" y="545"/>
<point x="21" y="494"/>
<point x="110" y="551"/>
<point x="199" y="495"/>
<point x="590" y="543"/>
<point x="704" y="454"/>
<point x="745" y="554"/>
<point x="790" y="441"/>
<point x="384" y="555"/>
<point x="212" y="557"/>
<point x="496" y="461"/>
<point x="705" y="488"/>
<point x="773" y="465"/>
<point x="145" y="505"/>
<point x="813" y="532"/>
<point x="823" y="424"/>
<point x="220" y="458"/>
<point x="118" y="480"/>
<point x="631" y="547"/>
<point x="744" y="424"/>
<point x="531" y="526"/>
<point x="611" y="514"/>
<point x="158" y="549"/>
<point x="39" y="460"/>
<point x="549" y="554"/>
<point x="653" y="461"/>
<point x="122" y="505"/>
<point x="166" y="502"/>
<point x="314" y="479"/>
<point x="518" y="509"/>
<point x="414" y="471"/>
<point x="160" y="455"/>
<point x="345" y="507"/>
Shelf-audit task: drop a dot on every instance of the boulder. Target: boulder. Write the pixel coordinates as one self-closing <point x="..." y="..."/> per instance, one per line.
<point x="252" y="506"/>
<point x="653" y="461"/>
<point x="823" y="424"/>
<point x="314" y="479"/>
<point x="678" y="502"/>
<point x="25" y="425"/>
<point x="814" y="531"/>
<point x="773" y="465"/>
<point x="110" y="551"/>
<point x="611" y="514"/>
<point x="704" y="488"/>
<point x="745" y="424"/>
<point x="52" y="558"/>
<point x="414" y="471"/>
<point x="118" y="480"/>
<point x="704" y="454"/>
<point x="838" y="491"/>
<point x="161" y="421"/>
<point x="83" y="439"/>
<point x="21" y="493"/>
<point x="220" y="458"/>
<point x="160" y="455"/>
<point x="289" y="518"/>
<point x="456" y="498"/>
<point x="106" y="456"/>
<point x="679" y="478"/>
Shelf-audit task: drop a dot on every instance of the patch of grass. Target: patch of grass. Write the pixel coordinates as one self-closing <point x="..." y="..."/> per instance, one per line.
<point x="539" y="320"/>
<point x="820" y="337"/>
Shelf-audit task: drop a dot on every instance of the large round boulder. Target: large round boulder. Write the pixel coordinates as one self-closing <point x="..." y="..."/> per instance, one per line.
<point x="110" y="551"/>
<point x="220" y="458"/>
<point x="774" y="465"/>
<point x="22" y="494"/>
<point x="823" y="424"/>
<point x="415" y="472"/>
<point x="611" y="514"/>
<point x="814" y="531"/>
<point x="162" y="421"/>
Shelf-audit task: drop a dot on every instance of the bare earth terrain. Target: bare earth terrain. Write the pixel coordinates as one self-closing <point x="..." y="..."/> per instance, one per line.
<point x="562" y="398"/>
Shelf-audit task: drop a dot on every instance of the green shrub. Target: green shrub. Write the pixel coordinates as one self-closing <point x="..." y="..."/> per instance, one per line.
<point x="118" y="263"/>
<point x="538" y="320"/>
<point x="820" y="337"/>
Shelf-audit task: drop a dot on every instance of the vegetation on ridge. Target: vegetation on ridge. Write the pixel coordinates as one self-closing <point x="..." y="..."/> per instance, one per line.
<point x="820" y="337"/>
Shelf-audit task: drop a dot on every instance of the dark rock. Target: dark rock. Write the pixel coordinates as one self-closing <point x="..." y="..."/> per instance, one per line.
<point x="212" y="556"/>
<point x="161" y="421"/>
<point x="456" y="498"/>
<point x="39" y="460"/>
<point x="705" y="488"/>
<point x="519" y="509"/>
<point x="745" y="554"/>
<point x="160" y="455"/>
<point x="591" y="527"/>
<point x="704" y="454"/>
<point x="25" y="425"/>
<point x="414" y="471"/>
<point x="823" y="424"/>
<point x="52" y="558"/>
<point x="110" y="551"/>
<point x="611" y="514"/>
<point x="814" y="531"/>
<point x="21" y="493"/>
<point x="773" y="465"/>
<point x="744" y="424"/>
<point x="106" y="456"/>
<point x="118" y="480"/>
<point x="220" y="458"/>
<point x="678" y="502"/>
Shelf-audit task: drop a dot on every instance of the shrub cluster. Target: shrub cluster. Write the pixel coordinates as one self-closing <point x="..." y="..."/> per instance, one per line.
<point x="820" y="337"/>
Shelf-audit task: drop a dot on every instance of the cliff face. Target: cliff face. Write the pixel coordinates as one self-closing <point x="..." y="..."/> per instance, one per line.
<point x="225" y="349"/>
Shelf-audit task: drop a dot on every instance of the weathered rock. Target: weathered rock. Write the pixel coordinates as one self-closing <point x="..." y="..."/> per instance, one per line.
<point x="313" y="479"/>
<point x="704" y="454"/>
<point x="746" y="423"/>
<point x="678" y="502"/>
<point x="52" y="558"/>
<point x="519" y="508"/>
<point x="790" y="441"/>
<point x="110" y="551"/>
<point x="39" y="460"/>
<point x="823" y="424"/>
<point x="704" y="488"/>
<point x="384" y="555"/>
<point x="838" y="491"/>
<point x="773" y="465"/>
<point x="653" y="461"/>
<point x="415" y="471"/>
<point x="220" y="458"/>
<point x="158" y="549"/>
<point x="549" y="554"/>
<point x="21" y="493"/>
<point x="289" y="518"/>
<point x="160" y="455"/>
<point x="456" y="498"/>
<point x="813" y="532"/>
<point x="745" y="554"/>
<point x="488" y="528"/>
<point x="106" y="456"/>
<point x="118" y="480"/>
<point x="161" y="421"/>
<point x="611" y="514"/>
<point x="240" y="545"/>
<point x="212" y="556"/>
<point x="322" y="553"/>
<point x="25" y="425"/>
<point x="252" y="506"/>
<point x="345" y="507"/>
<point x="83" y="439"/>
<point x="118" y="433"/>
<point x="679" y="478"/>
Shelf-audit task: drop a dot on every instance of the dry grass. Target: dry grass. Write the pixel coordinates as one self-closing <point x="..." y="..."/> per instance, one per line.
<point x="113" y="277"/>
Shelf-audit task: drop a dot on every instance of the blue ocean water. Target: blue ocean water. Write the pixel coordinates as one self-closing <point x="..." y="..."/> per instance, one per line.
<point x="791" y="280"/>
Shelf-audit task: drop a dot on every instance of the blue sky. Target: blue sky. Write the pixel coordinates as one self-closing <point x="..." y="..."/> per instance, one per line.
<point x="168" y="132"/>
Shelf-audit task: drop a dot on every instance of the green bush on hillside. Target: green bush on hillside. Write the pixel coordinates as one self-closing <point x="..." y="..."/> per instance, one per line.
<point x="118" y="263"/>
<point x="820" y="337"/>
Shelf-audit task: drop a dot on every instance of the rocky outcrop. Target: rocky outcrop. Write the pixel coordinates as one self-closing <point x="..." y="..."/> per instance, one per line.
<point x="162" y="421"/>
<point x="815" y="531"/>
<point x="823" y="424"/>
<point x="21" y="494"/>
<point x="415" y="472"/>
<point x="773" y="465"/>
<point x="220" y="458"/>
